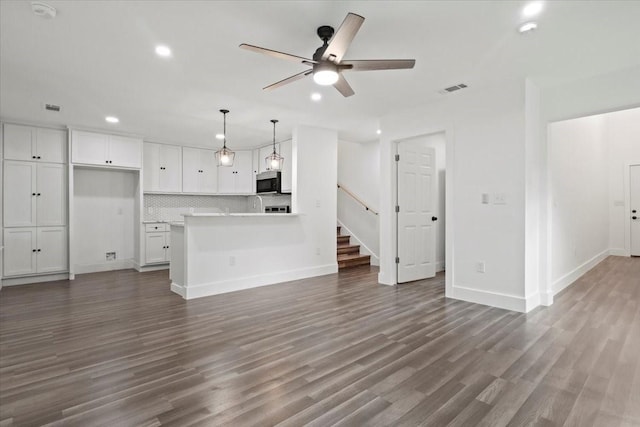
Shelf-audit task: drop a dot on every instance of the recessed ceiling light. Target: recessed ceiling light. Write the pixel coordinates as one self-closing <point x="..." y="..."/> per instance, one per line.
<point x="163" y="51"/>
<point x="219" y="136"/>
<point x="378" y="131"/>
<point x="315" y="96"/>
<point x="112" y="119"/>
<point x="532" y="9"/>
<point x="527" y="26"/>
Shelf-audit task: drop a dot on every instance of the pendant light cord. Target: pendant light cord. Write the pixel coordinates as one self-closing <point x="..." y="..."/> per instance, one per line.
<point x="224" y="128"/>
<point x="274" y="121"/>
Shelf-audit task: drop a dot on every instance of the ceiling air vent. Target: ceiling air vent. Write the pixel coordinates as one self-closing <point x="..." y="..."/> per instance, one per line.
<point x="452" y="88"/>
<point x="52" y="107"/>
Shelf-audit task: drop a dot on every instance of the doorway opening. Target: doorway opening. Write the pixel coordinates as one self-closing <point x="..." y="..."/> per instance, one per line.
<point x="420" y="207"/>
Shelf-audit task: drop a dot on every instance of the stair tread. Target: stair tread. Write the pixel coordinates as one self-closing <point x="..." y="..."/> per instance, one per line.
<point x="347" y="257"/>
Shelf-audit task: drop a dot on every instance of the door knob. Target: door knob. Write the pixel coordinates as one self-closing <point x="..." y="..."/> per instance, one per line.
<point x="434" y="218"/>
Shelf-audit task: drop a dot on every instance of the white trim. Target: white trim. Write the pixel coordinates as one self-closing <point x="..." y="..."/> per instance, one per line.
<point x="440" y="266"/>
<point x="151" y="267"/>
<point x="619" y="252"/>
<point x="375" y="259"/>
<point x="578" y="272"/>
<point x="495" y="299"/>
<point x="106" y="266"/>
<point x="546" y="299"/>
<point x="224" y="286"/>
<point x="13" y="281"/>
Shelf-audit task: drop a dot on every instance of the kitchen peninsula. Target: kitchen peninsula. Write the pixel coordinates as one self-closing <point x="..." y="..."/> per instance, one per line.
<point x="213" y="253"/>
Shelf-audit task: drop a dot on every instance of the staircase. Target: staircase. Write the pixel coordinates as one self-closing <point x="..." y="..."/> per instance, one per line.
<point x="348" y="254"/>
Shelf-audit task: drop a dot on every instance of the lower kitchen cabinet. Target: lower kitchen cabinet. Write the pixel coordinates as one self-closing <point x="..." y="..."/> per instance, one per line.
<point x="34" y="250"/>
<point x="157" y="243"/>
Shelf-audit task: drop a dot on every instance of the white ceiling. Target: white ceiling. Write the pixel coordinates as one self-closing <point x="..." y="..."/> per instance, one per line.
<point x="96" y="58"/>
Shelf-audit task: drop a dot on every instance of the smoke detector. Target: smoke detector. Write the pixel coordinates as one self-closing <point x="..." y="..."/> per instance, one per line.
<point x="43" y="10"/>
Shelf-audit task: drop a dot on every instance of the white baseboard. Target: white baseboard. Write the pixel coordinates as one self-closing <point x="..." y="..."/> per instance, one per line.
<point x="494" y="299"/>
<point x="151" y="267"/>
<point x="224" y="286"/>
<point x="13" y="281"/>
<point x="364" y="249"/>
<point x="578" y="272"/>
<point x="106" y="266"/>
<point x="619" y="252"/>
<point x="546" y="298"/>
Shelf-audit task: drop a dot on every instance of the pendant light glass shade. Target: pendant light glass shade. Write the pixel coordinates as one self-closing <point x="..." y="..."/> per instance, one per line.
<point x="224" y="156"/>
<point x="274" y="161"/>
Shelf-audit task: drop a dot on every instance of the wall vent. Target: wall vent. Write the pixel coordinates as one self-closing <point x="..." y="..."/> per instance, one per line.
<point x="452" y="88"/>
<point x="52" y="107"/>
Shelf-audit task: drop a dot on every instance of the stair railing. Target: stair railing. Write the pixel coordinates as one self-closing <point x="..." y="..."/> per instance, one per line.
<point x="357" y="199"/>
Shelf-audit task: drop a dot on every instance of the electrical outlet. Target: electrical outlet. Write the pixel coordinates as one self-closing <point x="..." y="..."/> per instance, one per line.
<point x="485" y="198"/>
<point x="480" y="267"/>
<point x="111" y="256"/>
<point x="232" y="260"/>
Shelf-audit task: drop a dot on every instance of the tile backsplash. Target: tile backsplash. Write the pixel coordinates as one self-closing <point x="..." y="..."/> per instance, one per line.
<point x="169" y="207"/>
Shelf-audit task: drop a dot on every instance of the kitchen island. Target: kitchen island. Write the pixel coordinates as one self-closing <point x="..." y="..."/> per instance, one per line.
<point x="214" y="253"/>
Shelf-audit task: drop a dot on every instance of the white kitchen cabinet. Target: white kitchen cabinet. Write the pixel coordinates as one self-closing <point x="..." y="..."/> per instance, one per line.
<point x="34" y="144"/>
<point x="255" y="168"/>
<point x="286" y="152"/>
<point x="199" y="171"/>
<point x="35" y="250"/>
<point x="237" y="179"/>
<point x="94" y="148"/>
<point x="162" y="167"/>
<point x="34" y="194"/>
<point x="157" y="243"/>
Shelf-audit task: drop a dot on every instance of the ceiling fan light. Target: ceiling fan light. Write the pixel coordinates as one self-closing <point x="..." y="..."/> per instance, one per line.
<point x="325" y="77"/>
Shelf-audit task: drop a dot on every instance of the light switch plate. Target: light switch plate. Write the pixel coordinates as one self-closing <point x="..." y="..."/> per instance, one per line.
<point x="485" y="198"/>
<point x="500" y="199"/>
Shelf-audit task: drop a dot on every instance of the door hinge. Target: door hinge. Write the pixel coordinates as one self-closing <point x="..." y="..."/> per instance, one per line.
<point x="397" y="260"/>
<point x="397" y="157"/>
<point x="397" y="208"/>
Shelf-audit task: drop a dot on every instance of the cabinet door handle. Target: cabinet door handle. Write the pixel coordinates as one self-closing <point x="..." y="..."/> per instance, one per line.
<point x="38" y="194"/>
<point x="33" y="194"/>
<point x="38" y="157"/>
<point x="33" y="157"/>
<point x="38" y="250"/>
<point x="33" y="250"/>
<point x="106" y="161"/>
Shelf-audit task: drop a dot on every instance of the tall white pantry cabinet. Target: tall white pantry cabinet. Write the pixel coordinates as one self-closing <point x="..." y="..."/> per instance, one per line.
<point x="34" y="200"/>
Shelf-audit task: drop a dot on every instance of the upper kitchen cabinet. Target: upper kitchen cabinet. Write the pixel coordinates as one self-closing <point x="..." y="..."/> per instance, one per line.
<point x="34" y="194"/>
<point x="287" y="166"/>
<point x="92" y="148"/>
<point x="199" y="174"/>
<point x="162" y="168"/>
<point x="237" y="179"/>
<point x="34" y="144"/>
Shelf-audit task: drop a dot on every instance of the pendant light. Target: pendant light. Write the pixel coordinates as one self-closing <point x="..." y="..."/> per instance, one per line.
<point x="224" y="156"/>
<point x="274" y="161"/>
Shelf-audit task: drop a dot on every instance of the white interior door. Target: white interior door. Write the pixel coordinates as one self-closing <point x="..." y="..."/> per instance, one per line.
<point x="634" y="185"/>
<point x="416" y="211"/>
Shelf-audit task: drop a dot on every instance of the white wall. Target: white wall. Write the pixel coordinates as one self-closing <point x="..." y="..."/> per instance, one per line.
<point x="359" y="172"/>
<point x="485" y="133"/>
<point x="103" y="219"/>
<point x="623" y="141"/>
<point x="438" y="142"/>
<point x="579" y="193"/>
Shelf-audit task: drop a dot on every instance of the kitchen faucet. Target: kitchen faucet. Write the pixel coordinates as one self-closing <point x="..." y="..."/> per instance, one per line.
<point x="261" y="204"/>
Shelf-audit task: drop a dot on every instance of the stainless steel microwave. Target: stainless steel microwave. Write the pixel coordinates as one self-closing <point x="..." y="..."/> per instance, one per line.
<point x="269" y="182"/>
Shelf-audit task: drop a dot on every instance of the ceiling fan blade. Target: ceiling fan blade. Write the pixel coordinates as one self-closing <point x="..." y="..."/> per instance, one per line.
<point x="342" y="39"/>
<point x="288" y="80"/>
<point x="343" y="86"/>
<point x="378" y="64"/>
<point x="276" y="54"/>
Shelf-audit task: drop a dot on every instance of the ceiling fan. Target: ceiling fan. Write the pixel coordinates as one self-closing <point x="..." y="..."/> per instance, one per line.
<point x="327" y="64"/>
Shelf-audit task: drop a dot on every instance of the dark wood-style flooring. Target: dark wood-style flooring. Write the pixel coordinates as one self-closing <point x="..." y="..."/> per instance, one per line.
<point x="119" y="349"/>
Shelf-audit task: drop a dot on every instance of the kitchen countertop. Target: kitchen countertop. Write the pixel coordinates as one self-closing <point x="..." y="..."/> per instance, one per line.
<point x="238" y="214"/>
